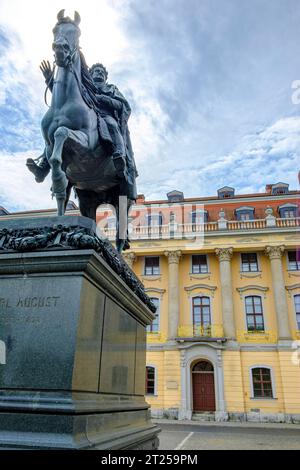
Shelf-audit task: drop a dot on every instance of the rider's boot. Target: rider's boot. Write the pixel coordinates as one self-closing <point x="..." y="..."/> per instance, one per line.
<point x="40" y="171"/>
<point x="120" y="164"/>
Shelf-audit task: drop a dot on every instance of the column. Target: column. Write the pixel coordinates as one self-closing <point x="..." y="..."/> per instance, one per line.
<point x="224" y="256"/>
<point x="173" y="293"/>
<point x="281" y="308"/>
<point x="129" y="258"/>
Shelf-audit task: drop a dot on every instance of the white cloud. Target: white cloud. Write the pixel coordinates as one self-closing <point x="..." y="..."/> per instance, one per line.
<point x="18" y="189"/>
<point x="194" y="118"/>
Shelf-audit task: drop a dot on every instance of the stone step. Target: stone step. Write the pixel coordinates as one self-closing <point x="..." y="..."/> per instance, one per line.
<point x="204" y="416"/>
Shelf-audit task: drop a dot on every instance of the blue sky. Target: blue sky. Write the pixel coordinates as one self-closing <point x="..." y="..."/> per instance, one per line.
<point x="209" y="82"/>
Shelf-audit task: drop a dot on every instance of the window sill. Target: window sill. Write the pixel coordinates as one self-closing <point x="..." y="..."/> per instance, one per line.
<point x="151" y="277"/>
<point x="262" y="398"/>
<point x="200" y="274"/>
<point x="250" y="272"/>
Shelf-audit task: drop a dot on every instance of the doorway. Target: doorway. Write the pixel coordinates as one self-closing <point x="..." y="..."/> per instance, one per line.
<point x="203" y="386"/>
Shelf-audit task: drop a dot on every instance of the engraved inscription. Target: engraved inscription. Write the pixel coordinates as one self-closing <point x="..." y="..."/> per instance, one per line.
<point x="29" y="302"/>
<point x="15" y="318"/>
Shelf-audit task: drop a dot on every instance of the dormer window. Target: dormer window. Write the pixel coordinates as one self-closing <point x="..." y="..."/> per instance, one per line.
<point x="175" y="196"/>
<point x="279" y="188"/>
<point x="288" y="211"/>
<point x="225" y="192"/>
<point x="3" y="211"/>
<point x="245" y="213"/>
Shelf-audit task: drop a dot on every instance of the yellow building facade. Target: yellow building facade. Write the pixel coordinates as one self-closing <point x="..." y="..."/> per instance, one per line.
<point x="224" y="272"/>
<point x="226" y="344"/>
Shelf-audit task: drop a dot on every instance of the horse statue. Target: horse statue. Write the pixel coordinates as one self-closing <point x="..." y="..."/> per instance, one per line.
<point x="77" y="141"/>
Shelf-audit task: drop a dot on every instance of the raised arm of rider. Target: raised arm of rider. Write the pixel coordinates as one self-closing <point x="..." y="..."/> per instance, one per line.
<point x="47" y="71"/>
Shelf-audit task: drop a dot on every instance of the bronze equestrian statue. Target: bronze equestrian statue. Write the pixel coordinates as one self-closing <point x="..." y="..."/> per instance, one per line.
<point x="87" y="141"/>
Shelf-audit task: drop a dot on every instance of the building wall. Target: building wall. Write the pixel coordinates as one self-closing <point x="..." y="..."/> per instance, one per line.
<point x="231" y="355"/>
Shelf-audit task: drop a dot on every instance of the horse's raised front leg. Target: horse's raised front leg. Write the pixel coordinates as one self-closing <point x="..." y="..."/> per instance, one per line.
<point x="59" y="179"/>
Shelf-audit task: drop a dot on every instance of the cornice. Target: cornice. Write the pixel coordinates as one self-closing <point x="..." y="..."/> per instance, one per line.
<point x="241" y="290"/>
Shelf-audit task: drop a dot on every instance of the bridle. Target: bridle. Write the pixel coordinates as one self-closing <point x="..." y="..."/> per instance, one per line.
<point x="69" y="65"/>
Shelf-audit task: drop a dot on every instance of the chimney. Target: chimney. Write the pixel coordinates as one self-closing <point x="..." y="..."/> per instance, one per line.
<point x="140" y="199"/>
<point x="269" y="188"/>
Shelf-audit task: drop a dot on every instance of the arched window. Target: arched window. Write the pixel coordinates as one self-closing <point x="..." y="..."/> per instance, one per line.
<point x="254" y="313"/>
<point x="150" y="380"/>
<point x="262" y="382"/>
<point x="154" y="327"/>
<point x="203" y="366"/>
<point x="201" y="316"/>
<point x="288" y="211"/>
<point x="297" y="309"/>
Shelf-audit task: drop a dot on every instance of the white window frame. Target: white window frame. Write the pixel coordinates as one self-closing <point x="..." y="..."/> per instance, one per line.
<point x="273" y="382"/>
<point x="159" y="266"/>
<point x="207" y="262"/>
<point x="295" y="312"/>
<point x="210" y="304"/>
<point x="258" y="263"/>
<point x="263" y="312"/>
<point x="157" y="313"/>
<point x="288" y="262"/>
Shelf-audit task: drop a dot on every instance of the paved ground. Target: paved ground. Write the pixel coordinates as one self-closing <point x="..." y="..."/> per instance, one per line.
<point x="220" y="436"/>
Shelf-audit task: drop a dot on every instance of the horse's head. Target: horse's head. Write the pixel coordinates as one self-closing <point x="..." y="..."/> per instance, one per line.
<point x="66" y="38"/>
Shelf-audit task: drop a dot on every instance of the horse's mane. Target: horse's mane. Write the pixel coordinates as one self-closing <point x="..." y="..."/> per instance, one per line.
<point x="89" y="90"/>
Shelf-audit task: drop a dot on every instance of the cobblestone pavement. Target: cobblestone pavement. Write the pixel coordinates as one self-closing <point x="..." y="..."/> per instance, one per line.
<point x="220" y="437"/>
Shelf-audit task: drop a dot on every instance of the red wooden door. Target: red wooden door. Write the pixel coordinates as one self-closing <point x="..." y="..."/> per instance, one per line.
<point x="203" y="391"/>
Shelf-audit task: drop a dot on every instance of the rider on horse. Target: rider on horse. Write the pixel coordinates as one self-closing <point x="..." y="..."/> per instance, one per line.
<point x="115" y="110"/>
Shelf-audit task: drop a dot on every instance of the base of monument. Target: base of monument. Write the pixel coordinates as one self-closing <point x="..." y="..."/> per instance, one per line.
<point x="60" y="429"/>
<point x="73" y="324"/>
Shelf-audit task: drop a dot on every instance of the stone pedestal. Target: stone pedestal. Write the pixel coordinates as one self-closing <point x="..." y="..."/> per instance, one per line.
<point x="74" y="341"/>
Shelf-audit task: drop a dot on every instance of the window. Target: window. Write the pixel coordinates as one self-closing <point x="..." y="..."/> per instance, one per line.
<point x="225" y="192"/>
<point x="151" y="265"/>
<point x="154" y="327"/>
<point x="154" y="220"/>
<point x="294" y="260"/>
<point x="254" y="314"/>
<point x="3" y="211"/>
<point x="297" y="309"/>
<point x="203" y="366"/>
<point x="150" y="380"/>
<point x="262" y="383"/>
<point x="199" y="216"/>
<point x="280" y="188"/>
<point x="175" y="196"/>
<point x="288" y="211"/>
<point x="249" y="262"/>
<point x="111" y="222"/>
<point x="201" y="316"/>
<point x="245" y="216"/>
<point x="245" y="213"/>
<point x="199" y="264"/>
